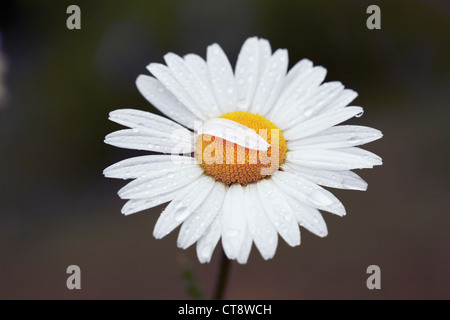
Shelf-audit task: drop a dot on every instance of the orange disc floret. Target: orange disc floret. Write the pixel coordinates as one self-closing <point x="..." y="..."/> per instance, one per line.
<point x="231" y="163"/>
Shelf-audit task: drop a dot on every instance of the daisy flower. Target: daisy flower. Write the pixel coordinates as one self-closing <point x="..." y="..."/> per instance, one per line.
<point x="246" y="152"/>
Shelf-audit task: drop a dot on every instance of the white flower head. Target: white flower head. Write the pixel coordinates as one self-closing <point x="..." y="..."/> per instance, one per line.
<point x="246" y="153"/>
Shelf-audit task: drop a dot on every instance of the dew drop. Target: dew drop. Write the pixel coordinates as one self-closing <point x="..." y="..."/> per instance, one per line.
<point x="308" y="112"/>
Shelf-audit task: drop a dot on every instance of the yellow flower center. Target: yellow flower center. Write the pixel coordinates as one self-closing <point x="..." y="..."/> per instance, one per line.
<point x="232" y="163"/>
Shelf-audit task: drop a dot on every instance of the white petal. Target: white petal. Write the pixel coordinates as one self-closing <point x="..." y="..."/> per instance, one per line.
<point x="308" y="192"/>
<point x="163" y="100"/>
<point x="301" y="89"/>
<point x="308" y="217"/>
<point x="143" y="188"/>
<point x="147" y="166"/>
<point x="250" y="74"/>
<point x="199" y="68"/>
<point x="261" y="228"/>
<point x="247" y="72"/>
<point x="265" y="52"/>
<point x="302" y="67"/>
<point x="342" y="100"/>
<point x="244" y="253"/>
<point x="343" y="179"/>
<point x="334" y="159"/>
<point x="321" y="122"/>
<point x="137" y="119"/>
<point x="207" y="243"/>
<point x="192" y="85"/>
<point x="234" y="132"/>
<point x="234" y="224"/>
<point x="300" y="70"/>
<point x="310" y="106"/>
<point x="136" y="205"/>
<point x="306" y="84"/>
<point x="165" y="75"/>
<point x="196" y="224"/>
<point x="337" y="137"/>
<point x="183" y="205"/>
<point x="279" y="212"/>
<point x="366" y="155"/>
<point x="270" y="82"/>
<point x="149" y="132"/>
<point x="148" y="139"/>
<point x="222" y="78"/>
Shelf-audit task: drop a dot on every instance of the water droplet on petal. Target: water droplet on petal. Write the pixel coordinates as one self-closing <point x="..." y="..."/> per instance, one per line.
<point x="308" y="112"/>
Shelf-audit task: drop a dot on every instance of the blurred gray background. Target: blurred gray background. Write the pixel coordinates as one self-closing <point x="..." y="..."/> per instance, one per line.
<point x="56" y="208"/>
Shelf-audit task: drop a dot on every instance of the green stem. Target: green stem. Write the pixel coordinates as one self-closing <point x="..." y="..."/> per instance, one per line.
<point x="192" y="288"/>
<point x="223" y="277"/>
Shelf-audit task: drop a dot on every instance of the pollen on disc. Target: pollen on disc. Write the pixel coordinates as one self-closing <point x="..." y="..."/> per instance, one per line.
<point x="231" y="163"/>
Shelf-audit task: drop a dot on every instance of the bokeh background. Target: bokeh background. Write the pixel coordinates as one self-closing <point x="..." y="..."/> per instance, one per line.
<point x="56" y="208"/>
